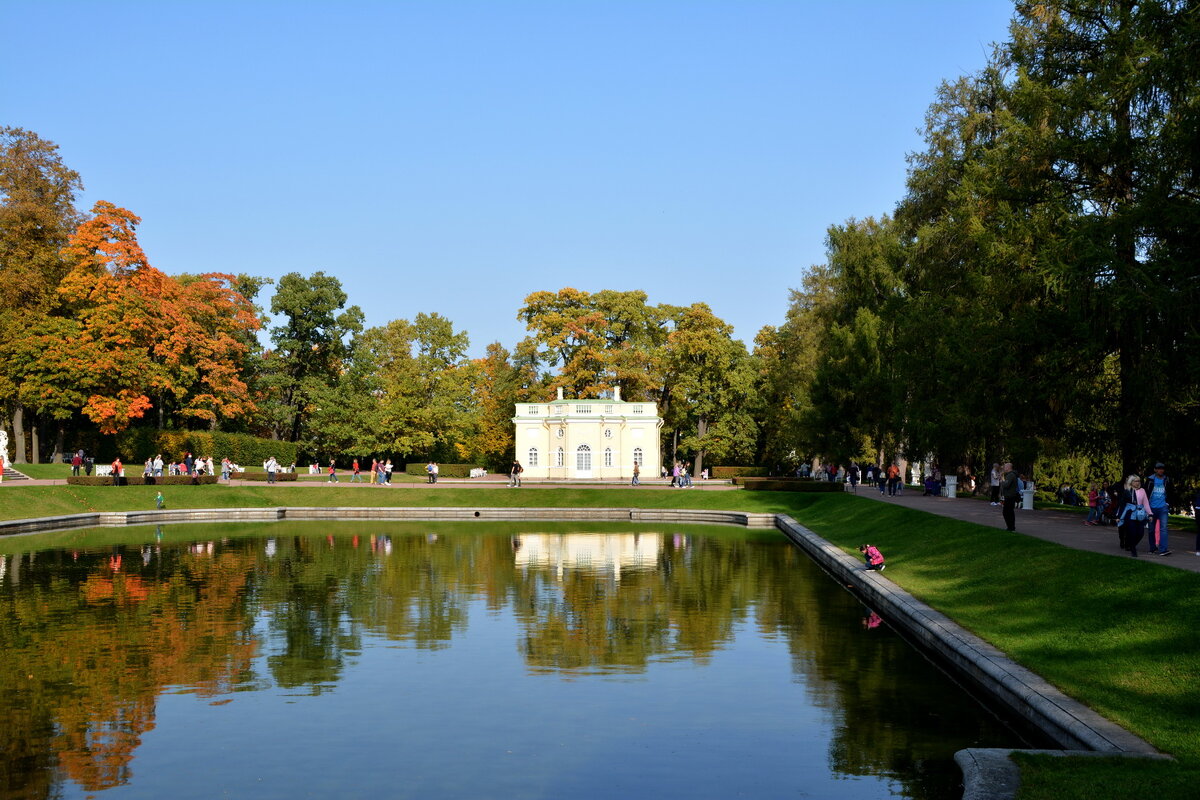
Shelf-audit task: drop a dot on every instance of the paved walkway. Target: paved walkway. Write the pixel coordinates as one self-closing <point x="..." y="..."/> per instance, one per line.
<point x="1061" y="527"/>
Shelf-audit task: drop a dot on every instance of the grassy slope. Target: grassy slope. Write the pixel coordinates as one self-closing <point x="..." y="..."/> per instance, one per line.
<point x="1116" y="633"/>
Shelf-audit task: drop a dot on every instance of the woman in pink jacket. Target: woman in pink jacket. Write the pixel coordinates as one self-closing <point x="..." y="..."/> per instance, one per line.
<point x="1135" y="510"/>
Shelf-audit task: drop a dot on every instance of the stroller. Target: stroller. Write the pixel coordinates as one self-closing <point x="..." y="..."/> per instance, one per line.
<point x="1109" y="511"/>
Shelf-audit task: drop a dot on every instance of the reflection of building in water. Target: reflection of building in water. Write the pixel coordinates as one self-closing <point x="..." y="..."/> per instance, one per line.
<point x="591" y="552"/>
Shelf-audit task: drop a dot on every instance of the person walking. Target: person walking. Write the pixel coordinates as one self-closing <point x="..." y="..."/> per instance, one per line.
<point x="1095" y="505"/>
<point x="76" y="462"/>
<point x="637" y="472"/>
<point x="893" y="479"/>
<point x="333" y="478"/>
<point x="357" y="472"/>
<point x="272" y="467"/>
<point x="158" y="465"/>
<point x="514" y="474"/>
<point x="387" y="473"/>
<point x="1010" y="492"/>
<point x="1156" y="528"/>
<point x="1135" y="510"/>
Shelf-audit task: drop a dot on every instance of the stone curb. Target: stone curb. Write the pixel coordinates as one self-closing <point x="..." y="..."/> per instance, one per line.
<point x="433" y="513"/>
<point x="1067" y="722"/>
<point x="989" y="773"/>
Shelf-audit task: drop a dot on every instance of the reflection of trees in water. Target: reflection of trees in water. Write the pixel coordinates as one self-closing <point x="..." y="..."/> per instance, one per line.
<point x="89" y="647"/>
<point x="85" y="650"/>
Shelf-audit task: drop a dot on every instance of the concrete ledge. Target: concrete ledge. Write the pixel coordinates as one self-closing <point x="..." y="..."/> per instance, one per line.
<point x="989" y="773"/>
<point x="457" y="513"/>
<point x="1067" y="722"/>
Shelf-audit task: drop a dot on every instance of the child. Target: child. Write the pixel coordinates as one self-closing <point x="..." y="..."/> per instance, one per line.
<point x="160" y="501"/>
<point x="872" y="555"/>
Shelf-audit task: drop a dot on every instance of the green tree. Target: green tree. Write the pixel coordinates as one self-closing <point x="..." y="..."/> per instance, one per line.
<point x="37" y="216"/>
<point x="311" y="348"/>
<point x="709" y="380"/>
<point x="424" y="386"/>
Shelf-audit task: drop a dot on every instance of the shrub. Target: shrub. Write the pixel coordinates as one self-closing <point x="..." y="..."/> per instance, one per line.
<point x="737" y="472"/>
<point x="138" y="480"/>
<point x="282" y="477"/>
<point x="790" y="485"/>
<point x="138" y="444"/>
<point x="444" y="470"/>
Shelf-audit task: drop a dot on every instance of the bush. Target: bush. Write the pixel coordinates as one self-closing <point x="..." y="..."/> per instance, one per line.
<point x="138" y="480"/>
<point x="444" y="470"/>
<point x="141" y="443"/>
<point x="790" y="485"/>
<point x="737" y="472"/>
<point x="282" y="477"/>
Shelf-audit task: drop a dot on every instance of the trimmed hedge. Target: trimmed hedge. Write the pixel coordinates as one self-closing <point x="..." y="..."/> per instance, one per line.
<point x="444" y="470"/>
<point x="737" y="472"/>
<point x="790" y="485"/>
<point x="138" y="444"/>
<point x="138" y="480"/>
<point x="280" y="477"/>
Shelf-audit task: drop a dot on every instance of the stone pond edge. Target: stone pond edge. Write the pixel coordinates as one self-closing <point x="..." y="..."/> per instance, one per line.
<point x="988" y="774"/>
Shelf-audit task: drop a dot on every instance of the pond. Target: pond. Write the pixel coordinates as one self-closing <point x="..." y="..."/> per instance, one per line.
<point x="458" y="660"/>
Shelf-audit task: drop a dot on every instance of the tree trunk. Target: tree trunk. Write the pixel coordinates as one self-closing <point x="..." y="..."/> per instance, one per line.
<point x="701" y="432"/>
<point x="18" y="423"/>
<point x="35" y="448"/>
<point x="57" y="457"/>
<point x="1130" y="324"/>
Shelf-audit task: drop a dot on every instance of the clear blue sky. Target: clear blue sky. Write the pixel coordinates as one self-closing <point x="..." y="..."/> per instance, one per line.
<point x="455" y="156"/>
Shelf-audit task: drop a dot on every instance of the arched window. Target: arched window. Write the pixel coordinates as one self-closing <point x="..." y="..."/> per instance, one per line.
<point x="583" y="458"/>
<point x="608" y="456"/>
<point x="558" y="457"/>
<point x="637" y="455"/>
<point x="532" y="462"/>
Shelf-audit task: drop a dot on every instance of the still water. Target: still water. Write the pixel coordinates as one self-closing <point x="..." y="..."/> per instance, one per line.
<point x="524" y="660"/>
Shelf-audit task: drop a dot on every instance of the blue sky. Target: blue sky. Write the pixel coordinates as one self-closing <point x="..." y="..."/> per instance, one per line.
<point x="455" y="156"/>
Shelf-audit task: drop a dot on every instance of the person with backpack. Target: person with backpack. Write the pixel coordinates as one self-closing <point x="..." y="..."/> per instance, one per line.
<point x="1135" y="510"/>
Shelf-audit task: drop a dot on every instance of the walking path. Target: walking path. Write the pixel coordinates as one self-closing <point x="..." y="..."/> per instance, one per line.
<point x="1061" y="527"/>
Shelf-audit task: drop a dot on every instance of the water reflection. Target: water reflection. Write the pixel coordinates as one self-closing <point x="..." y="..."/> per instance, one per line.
<point x="91" y="639"/>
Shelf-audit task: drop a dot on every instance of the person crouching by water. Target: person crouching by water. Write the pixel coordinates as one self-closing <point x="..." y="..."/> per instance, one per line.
<point x="1135" y="510"/>
<point x="873" y="557"/>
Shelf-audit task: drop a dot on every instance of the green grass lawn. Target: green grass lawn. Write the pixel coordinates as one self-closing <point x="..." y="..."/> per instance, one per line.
<point x="1117" y="634"/>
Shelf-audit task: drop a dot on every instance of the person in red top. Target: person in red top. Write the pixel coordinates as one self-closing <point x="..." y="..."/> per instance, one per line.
<point x="873" y="557"/>
<point x="357" y="477"/>
<point x="116" y="471"/>
<point x="333" y="478"/>
<point x="893" y="479"/>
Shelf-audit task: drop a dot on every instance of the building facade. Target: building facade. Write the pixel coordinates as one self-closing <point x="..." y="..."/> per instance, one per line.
<point x="588" y="439"/>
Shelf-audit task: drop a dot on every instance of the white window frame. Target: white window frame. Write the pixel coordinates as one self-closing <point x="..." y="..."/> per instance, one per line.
<point x="608" y="462"/>
<point x="637" y="456"/>
<point x="583" y="453"/>
<point x="532" y="461"/>
<point x="559" y="457"/>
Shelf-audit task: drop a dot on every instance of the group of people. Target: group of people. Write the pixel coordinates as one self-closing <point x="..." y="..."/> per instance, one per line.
<point x="1144" y="511"/>
<point x="681" y="475"/>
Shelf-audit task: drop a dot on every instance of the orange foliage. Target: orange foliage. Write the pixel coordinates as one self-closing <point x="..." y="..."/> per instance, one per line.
<point x="142" y="334"/>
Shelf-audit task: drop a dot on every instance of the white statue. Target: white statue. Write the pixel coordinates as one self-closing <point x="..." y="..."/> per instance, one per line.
<point x="4" y="448"/>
